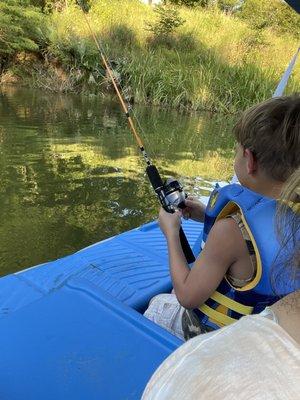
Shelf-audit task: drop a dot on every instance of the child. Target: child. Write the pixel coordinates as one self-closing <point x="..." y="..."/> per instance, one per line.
<point x="256" y="358"/>
<point x="231" y="276"/>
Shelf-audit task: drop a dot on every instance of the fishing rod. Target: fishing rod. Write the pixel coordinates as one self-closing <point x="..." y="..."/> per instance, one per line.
<point x="169" y="193"/>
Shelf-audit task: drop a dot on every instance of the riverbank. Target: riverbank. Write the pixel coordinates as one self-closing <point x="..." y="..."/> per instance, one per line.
<point x="214" y="61"/>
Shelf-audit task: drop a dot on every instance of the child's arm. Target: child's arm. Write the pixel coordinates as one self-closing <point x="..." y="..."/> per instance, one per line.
<point x="224" y="247"/>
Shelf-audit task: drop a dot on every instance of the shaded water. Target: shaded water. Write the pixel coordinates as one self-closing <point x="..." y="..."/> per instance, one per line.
<point x="71" y="173"/>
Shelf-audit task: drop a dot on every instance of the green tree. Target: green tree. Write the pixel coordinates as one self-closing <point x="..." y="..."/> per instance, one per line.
<point x="20" y="28"/>
<point x="168" y="19"/>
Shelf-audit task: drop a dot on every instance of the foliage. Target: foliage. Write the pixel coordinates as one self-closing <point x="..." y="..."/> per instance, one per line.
<point x="259" y="14"/>
<point x="228" y="5"/>
<point x="168" y="19"/>
<point x="20" y="27"/>
<point x="275" y="14"/>
<point x="52" y="5"/>
<point x="214" y="61"/>
<point x="189" y="3"/>
<point x="187" y="42"/>
<point x="123" y="35"/>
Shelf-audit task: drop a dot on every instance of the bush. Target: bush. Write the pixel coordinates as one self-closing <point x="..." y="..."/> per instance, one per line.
<point x="20" y="29"/>
<point x="273" y="14"/>
<point x="168" y="19"/>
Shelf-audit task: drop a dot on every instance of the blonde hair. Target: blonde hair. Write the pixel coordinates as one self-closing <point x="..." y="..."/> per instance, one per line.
<point x="287" y="221"/>
<point x="288" y="232"/>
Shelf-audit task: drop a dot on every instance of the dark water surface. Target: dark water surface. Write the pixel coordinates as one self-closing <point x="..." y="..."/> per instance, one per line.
<point x="71" y="173"/>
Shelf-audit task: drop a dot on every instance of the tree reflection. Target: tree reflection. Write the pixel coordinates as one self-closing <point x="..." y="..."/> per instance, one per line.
<point x="71" y="174"/>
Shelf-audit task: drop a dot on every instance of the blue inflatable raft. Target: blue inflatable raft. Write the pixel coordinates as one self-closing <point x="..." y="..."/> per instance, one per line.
<point x="74" y="329"/>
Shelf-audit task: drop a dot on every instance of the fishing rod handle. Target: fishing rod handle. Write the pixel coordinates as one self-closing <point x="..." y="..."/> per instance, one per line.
<point x="186" y="248"/>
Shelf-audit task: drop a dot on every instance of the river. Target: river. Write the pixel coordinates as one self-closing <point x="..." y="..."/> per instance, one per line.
<point x="71" y="173"/>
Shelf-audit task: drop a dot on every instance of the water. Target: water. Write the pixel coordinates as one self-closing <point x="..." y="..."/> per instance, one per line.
<point x="71" y="173"/>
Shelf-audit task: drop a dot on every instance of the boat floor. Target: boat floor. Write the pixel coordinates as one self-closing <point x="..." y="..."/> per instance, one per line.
<point x="132" y="267"/>
<point x="73" y="328"/>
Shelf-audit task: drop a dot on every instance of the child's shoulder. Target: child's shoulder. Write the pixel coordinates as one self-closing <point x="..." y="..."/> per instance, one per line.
<point x="225" y="240"/>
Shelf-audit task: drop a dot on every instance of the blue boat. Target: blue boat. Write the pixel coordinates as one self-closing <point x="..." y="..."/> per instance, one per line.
<point x="73" y="328"/>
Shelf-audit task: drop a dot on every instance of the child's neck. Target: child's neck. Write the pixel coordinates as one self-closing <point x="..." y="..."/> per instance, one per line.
<point x="266" y="187"/>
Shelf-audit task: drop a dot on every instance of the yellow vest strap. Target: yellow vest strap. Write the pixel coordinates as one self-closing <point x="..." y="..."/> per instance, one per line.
<point x="231" y="304"/>
<point x="228" y="209"/>
<point x="220" y="318"/>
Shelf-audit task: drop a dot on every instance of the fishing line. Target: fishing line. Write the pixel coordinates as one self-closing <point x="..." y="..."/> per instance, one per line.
<point x="128" y="109"/>
<point x="120" y="97"/>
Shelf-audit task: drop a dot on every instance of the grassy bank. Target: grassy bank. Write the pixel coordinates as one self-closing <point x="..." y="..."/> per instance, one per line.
<point x="213" y="61"/>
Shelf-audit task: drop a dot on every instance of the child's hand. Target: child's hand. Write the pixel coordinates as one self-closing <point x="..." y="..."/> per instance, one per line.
<point x="168" y="222"/>
<point x="195" y="209"/>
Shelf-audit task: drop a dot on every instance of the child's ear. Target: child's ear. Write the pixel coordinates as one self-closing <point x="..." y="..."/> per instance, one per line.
<point x="250" y="162"/>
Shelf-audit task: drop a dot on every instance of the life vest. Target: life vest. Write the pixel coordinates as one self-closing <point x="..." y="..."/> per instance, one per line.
<point x="227" y="304"/>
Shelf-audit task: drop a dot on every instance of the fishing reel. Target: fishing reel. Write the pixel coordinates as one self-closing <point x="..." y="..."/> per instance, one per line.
<point x="171" y="195"/>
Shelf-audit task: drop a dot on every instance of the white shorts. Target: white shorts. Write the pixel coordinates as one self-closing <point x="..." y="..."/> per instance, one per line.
<point x="165" y="310"/>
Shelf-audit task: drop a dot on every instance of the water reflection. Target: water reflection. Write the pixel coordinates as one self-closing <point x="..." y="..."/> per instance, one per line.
<point x="71" y="173"/>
